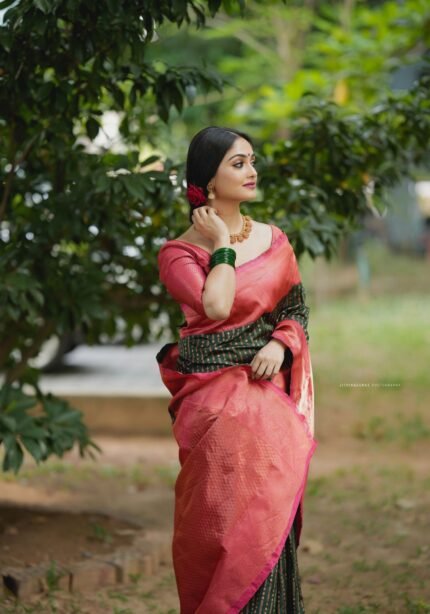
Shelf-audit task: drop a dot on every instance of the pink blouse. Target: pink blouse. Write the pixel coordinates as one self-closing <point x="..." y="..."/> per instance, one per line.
<point x="183" y="268"/>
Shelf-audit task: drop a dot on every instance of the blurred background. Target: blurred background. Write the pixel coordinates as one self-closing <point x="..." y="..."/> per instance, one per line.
<point x="99" y="104"/>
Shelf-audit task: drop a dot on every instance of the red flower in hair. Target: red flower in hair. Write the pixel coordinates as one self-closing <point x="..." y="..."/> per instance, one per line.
<point x="195" y="195"/>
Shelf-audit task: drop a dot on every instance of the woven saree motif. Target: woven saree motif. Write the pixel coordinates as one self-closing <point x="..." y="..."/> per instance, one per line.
<point x="235" y="346"/>
<point x="244" y="444"/>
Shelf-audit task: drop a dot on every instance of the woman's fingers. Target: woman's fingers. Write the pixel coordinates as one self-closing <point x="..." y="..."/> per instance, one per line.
<point x="264" y="370"/>
<point x="201" y="210"/>
<point x="200" y="214"/>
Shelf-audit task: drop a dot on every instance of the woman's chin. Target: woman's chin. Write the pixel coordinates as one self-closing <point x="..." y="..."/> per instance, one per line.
<point x="249" y="194"/>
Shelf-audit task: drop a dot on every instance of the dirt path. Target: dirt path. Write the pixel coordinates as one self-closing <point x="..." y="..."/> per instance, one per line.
<point x="364" y="546"/>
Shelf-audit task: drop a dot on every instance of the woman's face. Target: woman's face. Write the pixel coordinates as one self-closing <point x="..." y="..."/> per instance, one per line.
<point x="236" y="177"/>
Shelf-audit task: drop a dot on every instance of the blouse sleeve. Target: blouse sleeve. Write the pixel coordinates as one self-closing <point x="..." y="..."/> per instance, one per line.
<point x="182" y="276"/>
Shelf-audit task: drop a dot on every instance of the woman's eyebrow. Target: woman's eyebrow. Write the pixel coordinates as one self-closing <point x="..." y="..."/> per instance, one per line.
<point x="240" y="156"/>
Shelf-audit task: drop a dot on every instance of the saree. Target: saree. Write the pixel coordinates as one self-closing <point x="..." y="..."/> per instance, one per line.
<point x="244" y="445"/>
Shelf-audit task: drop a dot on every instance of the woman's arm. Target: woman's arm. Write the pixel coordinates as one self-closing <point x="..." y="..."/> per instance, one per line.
<point x="220" y="287"/>
<point x="210" y="295"/>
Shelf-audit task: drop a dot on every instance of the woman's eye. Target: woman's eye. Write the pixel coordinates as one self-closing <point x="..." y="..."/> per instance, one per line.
<point x="240" y="164"/>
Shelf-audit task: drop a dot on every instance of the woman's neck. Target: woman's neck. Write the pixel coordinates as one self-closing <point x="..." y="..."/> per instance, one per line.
<point x="231" y="216"/>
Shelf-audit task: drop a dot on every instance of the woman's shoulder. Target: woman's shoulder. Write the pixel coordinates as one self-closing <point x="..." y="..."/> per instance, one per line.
<point x="189" y="237"/>
<point x="277" y="232"/>
<point x="179" y="249"/>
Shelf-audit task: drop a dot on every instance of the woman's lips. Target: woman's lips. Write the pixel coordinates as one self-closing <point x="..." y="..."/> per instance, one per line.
<point x="249" y="185"/>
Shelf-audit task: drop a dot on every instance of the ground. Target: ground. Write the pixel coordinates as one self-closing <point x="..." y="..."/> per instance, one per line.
<point x="364" y="546"/>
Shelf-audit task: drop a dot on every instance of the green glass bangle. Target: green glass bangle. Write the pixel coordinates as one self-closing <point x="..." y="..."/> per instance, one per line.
<point x="227" y="257"/>
<point x="213" y="264"/>
<point x="223" y="255"/>
<point x="221" y="260"/>
<point x="225" y="250"/>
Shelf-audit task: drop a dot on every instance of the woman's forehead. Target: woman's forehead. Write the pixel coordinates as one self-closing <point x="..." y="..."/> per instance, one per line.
<point x="240" y="146"/>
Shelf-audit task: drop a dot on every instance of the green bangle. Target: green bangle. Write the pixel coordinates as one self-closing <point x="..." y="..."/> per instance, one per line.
<point x="221" y="261"/>
<point x="223" y="255"/>
<point x="213" y="264"/>
<point x="225" y="250"/>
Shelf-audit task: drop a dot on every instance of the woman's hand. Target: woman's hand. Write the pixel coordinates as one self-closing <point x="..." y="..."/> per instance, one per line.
<point x="268" y="360"/>
<point x="208" y="223"/>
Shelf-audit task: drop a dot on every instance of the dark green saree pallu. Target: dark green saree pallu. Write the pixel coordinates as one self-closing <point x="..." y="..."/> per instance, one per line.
<point x="244" y="445"/>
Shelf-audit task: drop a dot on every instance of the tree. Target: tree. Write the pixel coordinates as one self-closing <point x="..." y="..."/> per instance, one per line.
<point x="81" y="224"/>
<point x="345" y="51"/>
<point x="78" y="229"/>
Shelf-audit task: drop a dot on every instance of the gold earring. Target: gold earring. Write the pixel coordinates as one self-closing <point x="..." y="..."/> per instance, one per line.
<point x="211" y="195"/>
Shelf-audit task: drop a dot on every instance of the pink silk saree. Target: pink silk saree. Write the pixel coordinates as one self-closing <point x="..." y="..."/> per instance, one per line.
<point x="244" y="445"/>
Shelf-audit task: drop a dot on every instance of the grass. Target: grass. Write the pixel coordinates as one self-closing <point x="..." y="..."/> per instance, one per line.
<point x="71" y="475"/>
<point x="402" y="428"/>
<point x="130" y="599"/>
<point x="410" y="607"/>
<point x="383" y="340"/>
<point x="100" y="533"/>
<point x="391" y="272"/>
<point x="370" y="517"/>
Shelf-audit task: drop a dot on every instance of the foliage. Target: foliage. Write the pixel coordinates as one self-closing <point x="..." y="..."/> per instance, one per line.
<point x="82" y="216"/>
<point x="78" y="218"/>
<point x="318" y="184"/>
<point x="343" y="51"/>
<point x="53" y="430"/>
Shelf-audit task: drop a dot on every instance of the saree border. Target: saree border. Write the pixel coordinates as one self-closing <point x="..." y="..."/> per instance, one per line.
<point x="268" y="568"/>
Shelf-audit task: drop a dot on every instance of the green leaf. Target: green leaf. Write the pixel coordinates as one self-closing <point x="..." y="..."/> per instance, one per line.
<point x="9" y="422"/>
<point x="20" y="281"/>
<point x="214" y="6"/>
<point x="149" y="160"/>
<point x="36" y="432"/>
<point x="118" y="96"/>
<point x="53" y="406"/>
<point x="22" y="403"/>
<point x="38" y="296"/>
<point x="92" y="126"/>
<point x="135" y="186"/>
<point x="46" y="6"/>
<point x="176" y="98"/>
<point x="71" y="415"/>
<point x="13" y="456"/>
<point x="5" y="3"/>
<point x="34" y="447"/>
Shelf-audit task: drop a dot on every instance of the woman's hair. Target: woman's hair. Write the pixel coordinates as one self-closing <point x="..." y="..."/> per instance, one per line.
<point x="205" y="153"/>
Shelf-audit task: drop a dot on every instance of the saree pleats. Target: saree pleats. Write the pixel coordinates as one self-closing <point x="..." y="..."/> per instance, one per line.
<point x="244" y="457"/>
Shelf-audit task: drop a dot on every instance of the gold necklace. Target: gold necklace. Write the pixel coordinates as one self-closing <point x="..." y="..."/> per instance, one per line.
<point x="244" y="233"/>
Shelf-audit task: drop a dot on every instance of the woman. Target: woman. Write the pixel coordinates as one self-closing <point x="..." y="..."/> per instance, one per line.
<point x="242" y="392"/>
